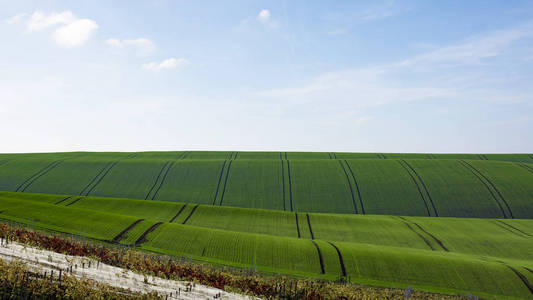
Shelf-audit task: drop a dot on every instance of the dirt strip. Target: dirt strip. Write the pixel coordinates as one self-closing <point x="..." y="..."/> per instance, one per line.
<point x="43" y="260"/>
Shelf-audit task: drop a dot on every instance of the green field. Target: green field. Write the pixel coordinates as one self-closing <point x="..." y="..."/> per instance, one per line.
<point x="449" y="223"/>
<point x="448" y="185"/>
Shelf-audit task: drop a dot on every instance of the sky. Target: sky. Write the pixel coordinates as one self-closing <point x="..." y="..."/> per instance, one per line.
<point x="338" y="76"/>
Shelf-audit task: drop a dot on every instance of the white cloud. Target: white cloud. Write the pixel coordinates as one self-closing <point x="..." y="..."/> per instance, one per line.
<point x="15" y="19"/>
<point x="75" y="34"/>
<point x="171" y="63"/>
<point x="264" y="16"/>
<point x="68" y="30"/>
<point x="40" y="21"/>
<point x="142" y="46"/>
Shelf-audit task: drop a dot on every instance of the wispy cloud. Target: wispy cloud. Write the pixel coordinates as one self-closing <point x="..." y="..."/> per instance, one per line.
<point x="167" y="64"/>
<point x="382" y="11"/>
<point x="142" y="46"/>
<point x="15" y="19"/>
<point x="472" y="51"/>
<point x="449" y="73"/>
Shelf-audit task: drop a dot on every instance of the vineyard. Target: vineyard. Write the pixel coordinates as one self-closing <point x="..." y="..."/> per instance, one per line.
<point x="445" y="223"/>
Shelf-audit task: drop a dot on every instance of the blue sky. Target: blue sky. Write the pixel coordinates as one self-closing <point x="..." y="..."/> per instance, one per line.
<point x="373" y="76"/>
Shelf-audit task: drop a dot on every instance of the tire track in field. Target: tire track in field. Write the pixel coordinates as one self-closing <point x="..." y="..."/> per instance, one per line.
<point x="40" y="175"/>
<point x="522" y="278"/>
<point x="297" y="225"/>
<point x="424" y="186"/>
<point x="417" y="233"/>
<point x="225" y="182"/>
<point x="190" y="214"/>
<point x="334" y="155"/>
<point x="219" y="179"/>
<point x="142" y="238"/>
<point x="122" y="234"/>
<point x="528" y="269"/>
<point x="350" y="185"/>
<point x="341" y="260"/>
<point x="439" y="242"/>
<point x="179" y="212"/>
<point x="76" y="200"/>
<point x="163" y="180"/>
<point x="320" y="258"/>
<point x="526" y="167"/>
<point x="417" y="186"/>
<point x="487" y="187"/>
<point x="286" y="156"/>
<point x="156" y="180"/>
<point x="492" y="185"/>
<point x="356" y="186"/>
<point x="512" y="227"/>
<point x="290" y="181"/>
<point x="101" y="177"/>
<point x="50" y="165"/>
<point x="95" y="177"/>
<point x="329" y="154"/>
<point x="4" y="162"/>
<point x="236" y="153"/>
<point x="507" y="229"/>
<point x="63" y="200"/>
<point x="310" y="228"/>
<point x="283" y="182"/>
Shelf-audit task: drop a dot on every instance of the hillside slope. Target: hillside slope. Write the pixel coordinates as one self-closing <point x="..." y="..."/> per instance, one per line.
<point x="445" y="185"/>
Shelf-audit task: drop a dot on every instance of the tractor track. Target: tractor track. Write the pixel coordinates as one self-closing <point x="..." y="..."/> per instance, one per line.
<point x="225" y="183"/>
<point x="310" y="228"/>
<point x="142" y="238"/>
<point x="36" y="175"/>
<point x="76" y="200"/>
<point x="163" y="180"/>
<point x="522" y="278"/>
<point x="356" y="186"/>
<point x="526" y="167"/>
<point x="95" y="177"/>
<point x="101" y="178"/>
<point x="320" y="258"/>
<point x="341" y="260"/>
<point x="290" y="181"/>
<point x="349" y="185"/>
<point x="417" y="187"/>
<point x="219" y="180"/>
<point x="439" y="242"/>
<point x="493" y="186"/>
<point x="283" y="182"/>
<point x="156" y="180"/>
<point x="297" y="225"/>
<point x="424" y="186"/>
<point x="511" y="226"/>
<point x="190" y="214"/>
<point x="62" y="200"/>
<point x="122" y="234"/>
<point x="177" y="215"/>
<point x="417" y="233"/>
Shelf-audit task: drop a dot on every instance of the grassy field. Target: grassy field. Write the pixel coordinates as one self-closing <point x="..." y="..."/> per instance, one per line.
<point x="451" y="185"/>
<point x="474" y="255"/>
<point x="449" y="223"/>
